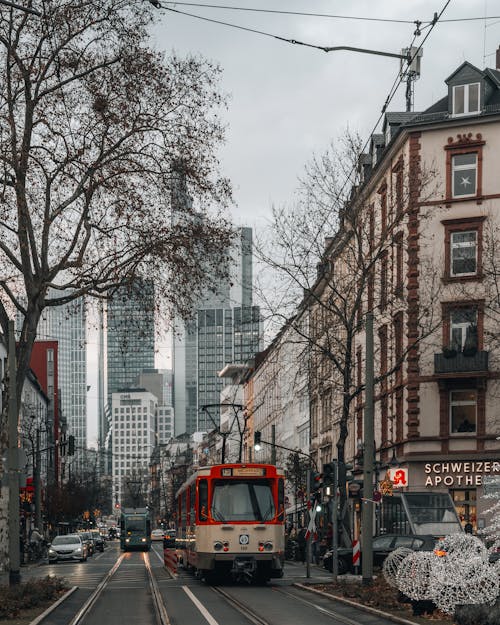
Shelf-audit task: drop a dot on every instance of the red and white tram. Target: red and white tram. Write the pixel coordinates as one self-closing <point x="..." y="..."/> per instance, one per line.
<point x="231" y="522"/>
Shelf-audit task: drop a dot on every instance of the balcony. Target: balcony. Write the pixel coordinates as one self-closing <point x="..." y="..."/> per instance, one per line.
<point x="460" y="363"/>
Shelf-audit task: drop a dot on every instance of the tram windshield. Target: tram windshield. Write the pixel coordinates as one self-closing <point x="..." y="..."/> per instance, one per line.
<point x="235" y="500"/>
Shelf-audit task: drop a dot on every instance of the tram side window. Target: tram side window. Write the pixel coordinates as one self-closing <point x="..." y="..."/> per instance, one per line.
<point x="281" y="499"/>
<point x="192" y="499"/>
<point x="202" y="500"/>
<point x="183" y="509"/>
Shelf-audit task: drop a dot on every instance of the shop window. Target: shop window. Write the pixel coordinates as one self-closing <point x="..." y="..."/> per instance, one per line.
<point x="465" y="505"/>
<point x="463" y="411"/>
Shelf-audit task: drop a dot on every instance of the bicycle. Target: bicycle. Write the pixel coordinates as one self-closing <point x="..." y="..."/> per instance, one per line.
<point x="37" y="551"/>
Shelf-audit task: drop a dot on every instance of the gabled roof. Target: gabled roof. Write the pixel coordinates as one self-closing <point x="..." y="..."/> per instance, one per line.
<point x="398" y="117"/>
<point x="461" y="68"/>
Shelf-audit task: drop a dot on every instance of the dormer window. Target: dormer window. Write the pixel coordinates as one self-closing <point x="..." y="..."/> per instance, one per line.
<point x="466" y="99"/>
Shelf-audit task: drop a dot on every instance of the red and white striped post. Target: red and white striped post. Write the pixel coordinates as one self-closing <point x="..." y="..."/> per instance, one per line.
<point x="356" y="554"/>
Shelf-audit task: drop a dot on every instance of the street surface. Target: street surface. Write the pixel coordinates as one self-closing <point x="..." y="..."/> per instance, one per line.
<point x="126" y="595"/>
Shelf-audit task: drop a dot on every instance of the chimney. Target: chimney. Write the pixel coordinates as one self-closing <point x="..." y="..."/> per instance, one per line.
<point x="498" y="58"/>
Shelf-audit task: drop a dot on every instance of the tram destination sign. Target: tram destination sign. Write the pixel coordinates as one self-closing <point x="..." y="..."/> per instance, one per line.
<point x="248" y="471"/>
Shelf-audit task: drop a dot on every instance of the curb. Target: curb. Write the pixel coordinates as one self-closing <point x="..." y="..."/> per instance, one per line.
<point x="41" y="616"/>
<point x="354" y="604"/>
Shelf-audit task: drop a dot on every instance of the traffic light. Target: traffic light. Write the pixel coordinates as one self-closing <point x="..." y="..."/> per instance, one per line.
<point x="257" y="445"/>
<point x="71" y="445"/>
<point x="316" y="481"/>
<point x="329" y="477"/>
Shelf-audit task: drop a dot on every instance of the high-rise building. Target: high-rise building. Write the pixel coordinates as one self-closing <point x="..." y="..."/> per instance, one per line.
<point x="126" y="348"/>
<point x="130" y="334"/>
<point x="66" y="324"/>
<point x="226" y="328"/>
<point x="133" y="413"/>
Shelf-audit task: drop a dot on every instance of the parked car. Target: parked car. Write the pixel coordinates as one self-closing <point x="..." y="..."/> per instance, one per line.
<point x="69" y="547"/>
<point x="98" y="540"/>
<point x="89" y="541"/>
<point x="169" y="538"/>
<point x="157" y="534"/>
<point x="382" y="546"/>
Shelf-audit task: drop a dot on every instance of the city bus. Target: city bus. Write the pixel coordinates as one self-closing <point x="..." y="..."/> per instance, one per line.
<point x="135" y="529"/>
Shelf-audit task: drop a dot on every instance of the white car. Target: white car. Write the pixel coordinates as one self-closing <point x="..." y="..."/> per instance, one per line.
<point x="157" y="535"/>
<point x="69" y="547"/>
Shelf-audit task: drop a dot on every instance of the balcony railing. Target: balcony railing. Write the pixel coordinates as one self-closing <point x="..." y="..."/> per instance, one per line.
<point x="460" y="363"/>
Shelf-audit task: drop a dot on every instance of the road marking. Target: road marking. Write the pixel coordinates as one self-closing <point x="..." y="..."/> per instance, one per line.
<point x="159" y="556"/>
<point x="200" y="606"/>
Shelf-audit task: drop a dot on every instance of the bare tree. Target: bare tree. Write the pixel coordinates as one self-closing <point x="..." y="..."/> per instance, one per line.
<point x="339" y="261"/>
<point x="103" y="146"/>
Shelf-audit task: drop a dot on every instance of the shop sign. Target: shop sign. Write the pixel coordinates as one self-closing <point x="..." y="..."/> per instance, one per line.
<point x="398" y="477"/>
<point x="459" y="473"/>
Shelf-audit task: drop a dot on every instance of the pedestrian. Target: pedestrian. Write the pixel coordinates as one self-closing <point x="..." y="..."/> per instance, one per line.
<point x="35" y="543"/>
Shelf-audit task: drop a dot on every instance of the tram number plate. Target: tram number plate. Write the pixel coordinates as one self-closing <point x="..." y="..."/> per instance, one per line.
<point x="244" y="539"/>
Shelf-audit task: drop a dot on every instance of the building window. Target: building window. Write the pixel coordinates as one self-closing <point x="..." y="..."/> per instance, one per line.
<point x="466" y="99"/>
<point x="463" y="248"/>
<point x="464" y="174"/>
<point x="461" y="321"/>
<point x="463" y="410"/>
<point x="399" y="265"/>
<point x="383" y="281"/>
<point x="463" y="253"/>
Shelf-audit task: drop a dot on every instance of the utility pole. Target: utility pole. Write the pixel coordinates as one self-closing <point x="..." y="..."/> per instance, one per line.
<point x="273" y="444"/>
<point x="368" y="453"/>
<point x="335" y="518"/>
<point x="13" y="465"/>
<point x="308" y="543"/>
<point x="36" y="472"/>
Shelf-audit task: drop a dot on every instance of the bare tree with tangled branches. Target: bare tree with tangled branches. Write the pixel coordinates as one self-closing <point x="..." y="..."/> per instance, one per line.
<point x="108" y="168"/>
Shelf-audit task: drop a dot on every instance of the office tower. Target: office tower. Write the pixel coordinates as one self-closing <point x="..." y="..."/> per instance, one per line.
<point x="130" y="335"/>
<point x="66" y="324"/>
<point x="133" y="440"/>
<point x="225" y="329"/>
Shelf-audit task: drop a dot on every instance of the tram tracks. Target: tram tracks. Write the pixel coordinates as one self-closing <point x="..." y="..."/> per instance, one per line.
<point x="83" y="615"/>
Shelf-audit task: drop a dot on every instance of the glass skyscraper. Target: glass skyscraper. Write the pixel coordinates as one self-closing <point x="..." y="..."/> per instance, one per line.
<point x="226" y="328"/>
<point x="130" y="335"/>
<point x="66" y="324"/>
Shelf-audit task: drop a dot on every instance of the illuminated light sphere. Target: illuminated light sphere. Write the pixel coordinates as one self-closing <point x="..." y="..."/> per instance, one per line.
<point x="457" y="590"/>
<point x="462" y="546"/>
<point x="415" y="575"/>
<point x="391" y="564"/>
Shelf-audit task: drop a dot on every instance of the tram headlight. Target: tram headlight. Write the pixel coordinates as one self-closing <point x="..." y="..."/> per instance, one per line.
<point x="217" y="545"/>
<point x="127" y="540"/>
<point x="268" y="546"/>
<point x="143" y="540"/>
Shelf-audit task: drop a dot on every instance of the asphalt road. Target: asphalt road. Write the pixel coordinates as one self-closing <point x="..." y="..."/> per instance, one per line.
<point x="127" y="596"/>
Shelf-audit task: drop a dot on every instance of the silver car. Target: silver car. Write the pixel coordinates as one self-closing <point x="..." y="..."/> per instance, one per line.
<point x="69" y="547"/>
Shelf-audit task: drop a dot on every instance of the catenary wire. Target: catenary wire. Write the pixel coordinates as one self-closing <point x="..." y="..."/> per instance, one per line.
<point x="326" y="15"/>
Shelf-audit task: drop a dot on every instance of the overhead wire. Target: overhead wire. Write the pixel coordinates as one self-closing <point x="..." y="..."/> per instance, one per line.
<point x="227" y="7"/>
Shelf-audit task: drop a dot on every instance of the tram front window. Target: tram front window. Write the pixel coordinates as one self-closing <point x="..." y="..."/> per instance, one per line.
<point x="242" y="501"/>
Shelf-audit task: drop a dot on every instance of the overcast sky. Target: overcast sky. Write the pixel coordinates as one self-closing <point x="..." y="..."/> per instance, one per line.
<point x="288" y="101"/>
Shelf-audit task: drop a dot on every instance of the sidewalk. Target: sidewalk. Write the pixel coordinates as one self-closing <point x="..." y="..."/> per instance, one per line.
<point x="27" y="572"/>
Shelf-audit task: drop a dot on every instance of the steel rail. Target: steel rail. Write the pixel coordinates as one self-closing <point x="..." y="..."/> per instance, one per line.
<point x="242" y="608"/>
<point x="83" y="611"/>
<point x="159" y="606"/>
<point x="329" y="612"/>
